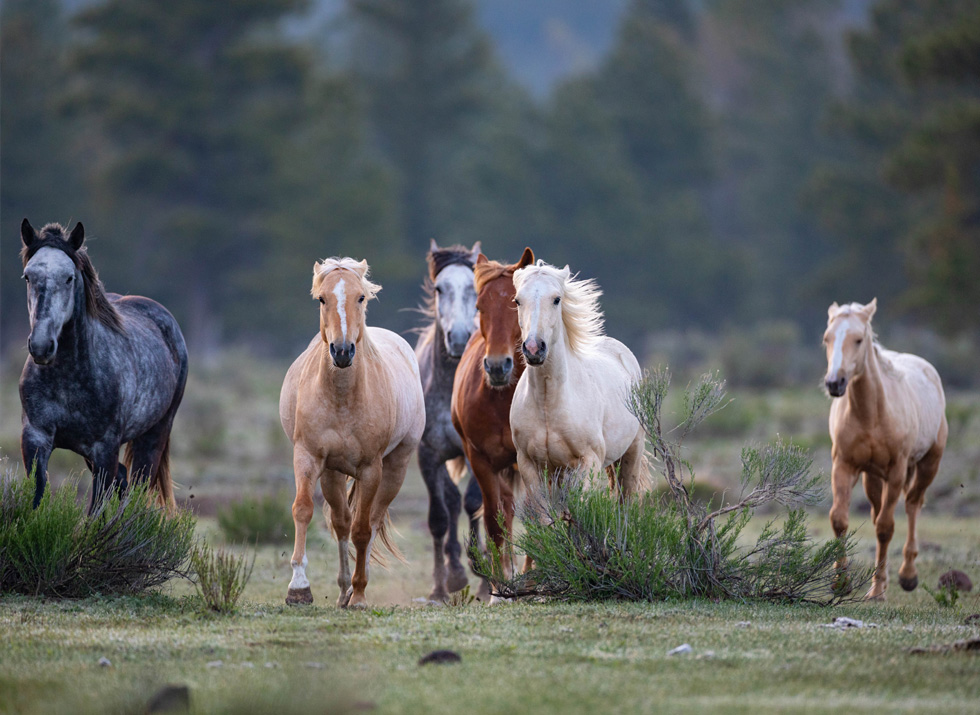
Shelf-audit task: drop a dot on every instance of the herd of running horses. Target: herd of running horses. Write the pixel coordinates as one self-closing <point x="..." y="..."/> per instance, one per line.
<point x="513" y="379"/>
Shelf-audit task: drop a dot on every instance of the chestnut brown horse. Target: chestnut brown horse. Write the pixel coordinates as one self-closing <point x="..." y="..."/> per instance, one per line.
<point x="483" y="389"/>
<point x="887" y="425"/>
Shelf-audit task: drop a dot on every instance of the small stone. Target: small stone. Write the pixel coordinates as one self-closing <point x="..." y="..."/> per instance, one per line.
<point x="957" y="580"/>
<point x="683" y="648"/>
<point x="743" y="624"/>
<point x="440" y="657"/>
<point x="214" y="664"/>
<point x="169" y="699"/>
<point x="105" y="662"/>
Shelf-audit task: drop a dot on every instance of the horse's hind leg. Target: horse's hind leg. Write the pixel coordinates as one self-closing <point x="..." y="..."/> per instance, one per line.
<point x="305" y="469"/>
<point x="925" y="472"/>
<point x="103" y="461"/>
<point x="149" y="458"/>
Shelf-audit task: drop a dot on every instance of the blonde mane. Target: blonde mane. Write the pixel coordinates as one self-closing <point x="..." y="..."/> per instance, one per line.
<point x="580" y="311"/>
<point x="324" y="268"/>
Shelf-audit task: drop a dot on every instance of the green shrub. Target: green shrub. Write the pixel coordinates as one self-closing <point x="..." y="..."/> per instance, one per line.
<point x="127" y="545"/>
<point x="587" y="544"/>
<point x="263" y="520"/>
<point x="221" y="577"/>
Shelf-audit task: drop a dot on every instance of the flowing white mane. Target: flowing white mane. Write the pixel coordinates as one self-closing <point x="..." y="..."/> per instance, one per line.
<point x="580" y="310"/>
<point x="322" y="269"/>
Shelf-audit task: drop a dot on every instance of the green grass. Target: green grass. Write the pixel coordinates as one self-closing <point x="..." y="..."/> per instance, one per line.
<point x="546" y="657"/>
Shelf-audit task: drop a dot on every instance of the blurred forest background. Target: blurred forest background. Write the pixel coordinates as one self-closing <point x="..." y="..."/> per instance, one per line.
<point x="724" y="168"/>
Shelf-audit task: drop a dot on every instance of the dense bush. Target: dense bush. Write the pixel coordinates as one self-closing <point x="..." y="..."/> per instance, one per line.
<point x="264" y="520"/>
<point x="588" y="545"/>
<point x="128" y="543"/>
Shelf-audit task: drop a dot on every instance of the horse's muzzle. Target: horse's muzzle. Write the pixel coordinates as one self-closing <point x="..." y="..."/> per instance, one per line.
<point x="535" y="351"/>
<point x="836" y="387"/>
<point x="42" y="352"/>
<point x="342" y="356"/>
<point x="456" y="342"/>
<point x="498" y="370"/>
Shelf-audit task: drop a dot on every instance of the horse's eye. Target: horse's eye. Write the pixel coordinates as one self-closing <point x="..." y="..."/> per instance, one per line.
<point x="557" y="300"/>
<point x="860" y="340"/>
<point x="361" y="299"/>
<point x="517" y="302"/>
<point x="26" y="278"/>
<point x="439" y="290"/>
<point x="322" y="301"/>
<point x="70" y="279"/>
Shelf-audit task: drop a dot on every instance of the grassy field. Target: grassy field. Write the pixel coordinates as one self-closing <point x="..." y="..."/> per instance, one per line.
<point x="547" y="657"/>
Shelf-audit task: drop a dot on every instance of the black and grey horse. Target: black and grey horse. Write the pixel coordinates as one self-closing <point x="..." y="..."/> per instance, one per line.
<point x="451" y="303"/>
<point x="104" y="370"/>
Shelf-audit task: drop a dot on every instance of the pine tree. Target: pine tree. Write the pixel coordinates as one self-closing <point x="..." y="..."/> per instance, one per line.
<point x="190" y="95"/>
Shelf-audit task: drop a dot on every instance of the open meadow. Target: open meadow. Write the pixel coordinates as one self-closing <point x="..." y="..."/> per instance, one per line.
<point x="541" y="656"/>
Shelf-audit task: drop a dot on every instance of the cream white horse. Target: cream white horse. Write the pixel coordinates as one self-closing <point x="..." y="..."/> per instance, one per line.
<point x="887" y="425"/>
<point x="352" y="406"/>
<point x="570" y="408"/>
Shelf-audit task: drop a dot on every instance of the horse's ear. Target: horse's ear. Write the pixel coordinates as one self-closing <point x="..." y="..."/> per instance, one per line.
<point x="77" y="237"/>
<point x="433" y="246"/>
<point x="567" y="271"/>
<point x="27" y="233"/>
<point x="832" y="310"/>
<point x="482" y="259"/>
<point x="870" y="308"/>
<point x="475" y="251"/>
<point x="362" y="268"/>
<point x="527" y="258"/>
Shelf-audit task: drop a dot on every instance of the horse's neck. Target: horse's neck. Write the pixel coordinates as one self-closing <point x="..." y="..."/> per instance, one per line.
<point x="443" y="363"/>
<point x="549" y="380"/>
<point x="866" y="393"/>
<point x="343" y="385"/>
<point x="75" y="340"/>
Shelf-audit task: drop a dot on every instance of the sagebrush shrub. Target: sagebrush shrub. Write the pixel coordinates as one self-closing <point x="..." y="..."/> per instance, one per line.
<point x="127" y="545"/>
<point x="221" y="577"/>
<point x="264" y="520"/>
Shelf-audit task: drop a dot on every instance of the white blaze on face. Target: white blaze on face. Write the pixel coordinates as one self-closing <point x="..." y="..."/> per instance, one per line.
<point x="340" y="291"/>
<point x="837" y="357"/>
<point x="299" y="575"/>
<point x="456" y="299"/>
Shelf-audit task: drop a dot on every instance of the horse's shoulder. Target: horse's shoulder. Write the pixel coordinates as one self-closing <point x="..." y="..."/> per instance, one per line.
<point x="622" y="354"/>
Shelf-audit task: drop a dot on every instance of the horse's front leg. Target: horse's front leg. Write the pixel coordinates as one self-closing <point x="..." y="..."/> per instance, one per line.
<point x="305" y="468"/>
<point x="435" y="478"/>
<point x="103" y="460"/>
<point x="35" y="448"/>
<point x="363" y="530"/>
<point x="885" y="528"/>
<point x="334" y="486"/>
<point x="842" y="480"/>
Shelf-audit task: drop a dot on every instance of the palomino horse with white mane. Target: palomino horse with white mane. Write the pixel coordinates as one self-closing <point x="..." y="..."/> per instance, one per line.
<point x="887" y="425"/>
<point x="570" y="408"/>
<point x="352" y="406"/>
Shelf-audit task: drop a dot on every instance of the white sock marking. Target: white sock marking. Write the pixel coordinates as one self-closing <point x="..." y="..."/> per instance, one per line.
<point x="299" y="575"/>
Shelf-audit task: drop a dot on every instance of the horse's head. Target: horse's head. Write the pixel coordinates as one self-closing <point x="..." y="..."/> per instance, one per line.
<point x="54" y="285"/>
<point x="343" y="289"/>
<point x="498" y="319"/>
<point x="552" y="308"/>
<point x="451" y="274"/>
<point x="847" y="340"/>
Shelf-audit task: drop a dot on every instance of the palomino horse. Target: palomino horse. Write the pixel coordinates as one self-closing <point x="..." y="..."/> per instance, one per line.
<point x="483" y="390"/>
<point x="104" y="370"/>
<point x="451" y="304"/>
<point x="352" y="406"/>
<point x="570" y="408"/>
<point x="888" y="425"/>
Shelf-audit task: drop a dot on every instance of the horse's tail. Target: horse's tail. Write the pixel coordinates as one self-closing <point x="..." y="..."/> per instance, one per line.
<point x="457" y="469"/>
<point x="162" y="481"/>
<point x="384" y="533"/>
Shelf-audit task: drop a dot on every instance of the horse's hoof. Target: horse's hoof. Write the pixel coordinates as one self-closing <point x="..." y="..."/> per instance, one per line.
<point x="457" y="580"/>
<point x="908" y="584"/>
<point x="875" y="597"/>
<point x="299" y="597"/>
<point x="344" y="598"/>
<point x="438" y="596"/>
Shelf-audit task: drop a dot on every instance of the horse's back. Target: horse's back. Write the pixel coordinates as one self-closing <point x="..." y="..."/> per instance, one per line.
<point x="398" y="359"/>
<point x="139" y="312"/>
<point x="924" y="388"/>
